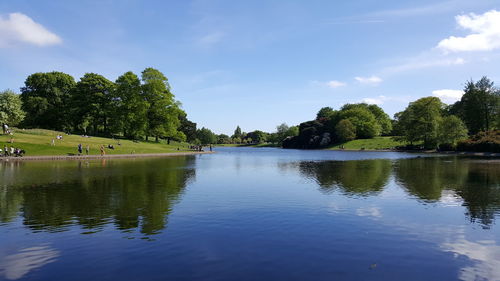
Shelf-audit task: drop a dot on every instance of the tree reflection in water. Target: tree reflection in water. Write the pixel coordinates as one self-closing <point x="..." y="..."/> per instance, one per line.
<point x="476" y="181"/>
<point x="360" y="177"/>
<point x="131" y="194"/>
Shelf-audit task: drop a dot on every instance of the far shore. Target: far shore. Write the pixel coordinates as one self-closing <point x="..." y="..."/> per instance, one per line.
<point x="109" y="156"/>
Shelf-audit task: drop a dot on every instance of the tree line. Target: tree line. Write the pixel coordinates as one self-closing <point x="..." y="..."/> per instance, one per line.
<point x="135" y="107"/>
<point x="472" y="123"/>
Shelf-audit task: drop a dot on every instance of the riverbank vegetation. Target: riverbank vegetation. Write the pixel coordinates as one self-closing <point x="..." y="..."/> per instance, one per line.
<point x="139" y="107"/>
<point x="470" y="124"/>
<point x="131" y="108"/>
<point x="46" y="142"/>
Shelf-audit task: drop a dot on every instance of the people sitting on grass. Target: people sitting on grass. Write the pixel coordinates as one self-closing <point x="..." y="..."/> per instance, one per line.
<point x="110" y="146"/>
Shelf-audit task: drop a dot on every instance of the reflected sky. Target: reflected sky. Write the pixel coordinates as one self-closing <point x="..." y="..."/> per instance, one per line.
<point x="252" y="214"/>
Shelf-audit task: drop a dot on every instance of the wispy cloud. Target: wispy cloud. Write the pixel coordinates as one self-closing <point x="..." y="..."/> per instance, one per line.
<point x="19" y="28"/>
<point x="335" y="84"/>
<point x="422" y="62"/>
<point x="372" y="80"/>
<point x="448" y="96"/>
<point x="485" y="34"/>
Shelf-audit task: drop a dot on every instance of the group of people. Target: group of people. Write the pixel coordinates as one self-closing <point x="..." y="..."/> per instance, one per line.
<point x="12" y="151"/>
<point x="87" y="149"/>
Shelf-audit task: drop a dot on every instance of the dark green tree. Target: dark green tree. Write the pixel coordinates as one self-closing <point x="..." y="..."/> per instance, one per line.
<point x="206" y="136"/>
<point x="46" y="100"/>
<point x="187" y="127"/>
<point x="93" y="104"/>
<point x="479" y="107"/>
<point x="131" y="111"/>
<point x="163" y="112"/>
<point x="237" y="133"/>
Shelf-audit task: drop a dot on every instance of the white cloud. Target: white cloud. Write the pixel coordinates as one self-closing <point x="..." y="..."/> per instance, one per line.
<point x="373" y="80"/>
<point x="335" y="84"/>
<point x="19" y="28"/>
<point x="373" y="101"/>
<point x="485" y="35"/>
<point x="447" y="95"/>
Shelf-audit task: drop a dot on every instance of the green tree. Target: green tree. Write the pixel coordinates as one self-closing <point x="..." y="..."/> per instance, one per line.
<point x="131" y="113"/>
<point x="46" y="100"/>
<point x="163" y="112"/>
<point x="223" y="139"/>
<point x="257" y="136"/>
<point x="324" y="112"/>
<point x="237" y="133"/>
<point x="363" y="120"/>
<point x="345" y="130"/>
<point x="11" y="112"/>
<point x="206" y="136"/>
<point x="283" y="131"/>
<point x="93" y="104"/>
<point x="187" y="127"/>
<point x="479" y="106"/>
<point x="451" y="130"/>
<point x="382" y="118"/>
<point x="420" y="121"/>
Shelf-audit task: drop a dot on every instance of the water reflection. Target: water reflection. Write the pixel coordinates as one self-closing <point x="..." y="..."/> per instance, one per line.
<point x="17" y="265"/>
<point x="361" y="177"/>
<point x="131" y="194"/>
<point x="472" y="183"/>
<point x="476" y="182"/>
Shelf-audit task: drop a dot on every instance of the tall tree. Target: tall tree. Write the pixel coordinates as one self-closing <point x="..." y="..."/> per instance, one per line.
<point x="187" y="127"/>
<point x="93" y="104"/>
<point x="131" y="114"/>
<point x="163" y="112"/>
<point x="479" y="106"/>
<point x="11" y="112"/>
<point x="46" y="100"/>
<point x="237" y="133"/>
<point x="420" y="121"/>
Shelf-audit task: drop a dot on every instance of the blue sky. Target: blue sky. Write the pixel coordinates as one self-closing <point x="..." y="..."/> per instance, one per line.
<point x="260" y="63"/>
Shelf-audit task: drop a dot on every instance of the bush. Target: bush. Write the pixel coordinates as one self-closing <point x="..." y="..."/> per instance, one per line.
<point x="481" y="142"/>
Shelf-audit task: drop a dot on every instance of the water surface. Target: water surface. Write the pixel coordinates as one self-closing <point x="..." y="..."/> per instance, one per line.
<point x="252" y="214"/>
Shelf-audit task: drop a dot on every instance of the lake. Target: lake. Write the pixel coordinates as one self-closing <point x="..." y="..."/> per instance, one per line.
<point x="252" y="214"/>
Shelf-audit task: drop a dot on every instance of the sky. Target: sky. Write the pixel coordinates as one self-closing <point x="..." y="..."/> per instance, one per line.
<point x="259" y="63"/>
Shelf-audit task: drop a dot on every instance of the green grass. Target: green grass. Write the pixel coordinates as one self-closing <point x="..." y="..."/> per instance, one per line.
<point x="377" y="143"/>
<point x="38" y="142"/>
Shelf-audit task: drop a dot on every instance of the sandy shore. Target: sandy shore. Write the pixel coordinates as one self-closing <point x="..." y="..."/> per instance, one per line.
<point x="109" y="156"/>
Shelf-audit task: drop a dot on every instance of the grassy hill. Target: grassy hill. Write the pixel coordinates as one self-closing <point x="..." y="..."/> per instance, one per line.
<point x="39" y="142"/>
<point x="376" y="143"/>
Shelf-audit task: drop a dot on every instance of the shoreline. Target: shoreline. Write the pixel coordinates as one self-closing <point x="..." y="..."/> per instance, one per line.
<point x="464" y="153"/>
<point x="109" y="156"/>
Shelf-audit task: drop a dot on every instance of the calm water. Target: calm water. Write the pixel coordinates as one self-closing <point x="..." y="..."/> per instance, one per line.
<point x="252" y="214"/>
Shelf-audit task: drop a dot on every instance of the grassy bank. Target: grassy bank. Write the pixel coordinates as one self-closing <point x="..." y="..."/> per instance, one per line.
<point x="39" y="142"/>
<point x="377" y="143"/>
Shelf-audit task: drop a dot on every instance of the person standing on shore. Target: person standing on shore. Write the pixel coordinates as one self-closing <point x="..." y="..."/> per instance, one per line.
<point x="79" y="149"/>
<point x="102" y="150"/>
<point x="87" y="149"/>
<point x="5" y="151"/>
